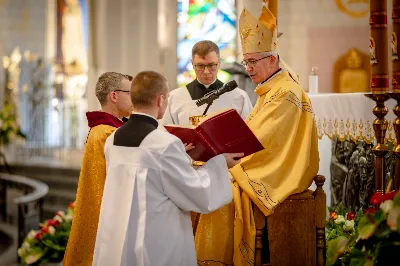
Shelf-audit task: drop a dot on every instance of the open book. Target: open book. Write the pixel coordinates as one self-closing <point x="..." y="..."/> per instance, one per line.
<point x="222" y="132"/>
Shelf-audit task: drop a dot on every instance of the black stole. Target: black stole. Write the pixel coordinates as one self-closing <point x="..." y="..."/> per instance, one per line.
<point x="198" y="90"/>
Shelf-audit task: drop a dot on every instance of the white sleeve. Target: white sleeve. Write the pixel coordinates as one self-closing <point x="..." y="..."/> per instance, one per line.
<point x="247" y="106"/>
<point x="201" y="190"/>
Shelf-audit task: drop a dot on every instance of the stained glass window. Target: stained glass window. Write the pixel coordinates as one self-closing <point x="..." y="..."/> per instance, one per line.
<point x="213" y="20"/>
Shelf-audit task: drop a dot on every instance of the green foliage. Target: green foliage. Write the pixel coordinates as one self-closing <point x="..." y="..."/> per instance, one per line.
<point x="8" y="127"/>
<point x="377" y="231"/>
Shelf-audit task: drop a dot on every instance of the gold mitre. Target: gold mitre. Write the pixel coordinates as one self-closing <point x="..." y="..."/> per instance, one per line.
<point x="258" y="35"/>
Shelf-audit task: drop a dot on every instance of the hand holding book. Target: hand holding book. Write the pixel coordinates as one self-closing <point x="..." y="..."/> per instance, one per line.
<point x="223" y="132"/>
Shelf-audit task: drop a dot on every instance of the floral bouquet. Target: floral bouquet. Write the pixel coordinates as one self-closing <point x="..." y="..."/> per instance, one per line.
<point x="377" y="237"/>
<point x="49" y="242"/>
<point x="342" y="222"/>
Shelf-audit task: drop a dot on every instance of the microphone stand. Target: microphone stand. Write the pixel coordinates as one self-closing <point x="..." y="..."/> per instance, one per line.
<point x="208" y="106"/>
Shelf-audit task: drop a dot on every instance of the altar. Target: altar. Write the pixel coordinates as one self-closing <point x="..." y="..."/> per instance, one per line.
<point x="346" y="137"/>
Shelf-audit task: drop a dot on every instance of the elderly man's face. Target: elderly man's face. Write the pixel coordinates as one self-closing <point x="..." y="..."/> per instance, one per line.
<point x="259" y="66"/>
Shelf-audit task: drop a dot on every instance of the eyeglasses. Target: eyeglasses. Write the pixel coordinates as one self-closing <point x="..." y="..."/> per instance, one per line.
<point x="210" y="67"/>
<point x="252" y="63"/>
<point x="123" y="91"/>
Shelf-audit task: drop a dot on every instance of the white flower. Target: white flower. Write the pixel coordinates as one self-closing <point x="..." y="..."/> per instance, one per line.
<point x="32" y="258"/>
<point x="386" y="206"/>
<point x="61" y="213"/>
<point x="348" y="225"/>
<point x="340" y="219"/>
<point x="68" y="217"/>
<point x="21" y="252"/>
<point x="58" y="218"/>
<point x="31" y="235"/>
<point x="52" y="230"/>
<point x="26" y="245"/>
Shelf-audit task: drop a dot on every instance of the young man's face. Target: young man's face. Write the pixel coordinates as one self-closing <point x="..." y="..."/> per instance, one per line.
<point x="206" y="67"/>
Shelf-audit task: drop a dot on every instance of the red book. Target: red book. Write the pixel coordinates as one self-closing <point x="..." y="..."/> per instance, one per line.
<point x="224" y="132"/>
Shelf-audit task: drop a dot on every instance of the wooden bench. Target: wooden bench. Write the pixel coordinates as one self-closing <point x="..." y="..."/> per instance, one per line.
<point x="296" y="230"/>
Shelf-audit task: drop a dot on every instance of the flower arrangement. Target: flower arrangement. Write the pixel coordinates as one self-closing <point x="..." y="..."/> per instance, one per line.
<point x="342" y="222"/>
<point x="49" y="242"/>
<point x="8" y="127"/>
<point x="376" y="240"/>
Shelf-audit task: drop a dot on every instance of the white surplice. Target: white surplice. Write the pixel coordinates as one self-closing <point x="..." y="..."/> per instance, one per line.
<point x="181" y="106"/>
<point x="148" y="193"/>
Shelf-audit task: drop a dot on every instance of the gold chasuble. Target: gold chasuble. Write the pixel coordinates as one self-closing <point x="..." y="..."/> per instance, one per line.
<point x="283" y="121"/>
<point x="82" y="238"/>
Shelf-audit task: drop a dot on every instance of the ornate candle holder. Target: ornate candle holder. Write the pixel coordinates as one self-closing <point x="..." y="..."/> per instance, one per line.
<point x="380" y="126"/>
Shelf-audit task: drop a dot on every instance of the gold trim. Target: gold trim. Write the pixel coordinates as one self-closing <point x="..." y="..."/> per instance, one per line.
<point x="353" y="14"/>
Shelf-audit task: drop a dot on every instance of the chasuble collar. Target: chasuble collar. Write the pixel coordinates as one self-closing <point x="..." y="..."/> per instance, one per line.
<point x="198" y="90"/>
<point x="267" y="85"/>
<point x="96" y="118"/>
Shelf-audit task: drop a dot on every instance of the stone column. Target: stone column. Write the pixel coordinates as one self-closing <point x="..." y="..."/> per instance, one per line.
<point x="123" y="38"/>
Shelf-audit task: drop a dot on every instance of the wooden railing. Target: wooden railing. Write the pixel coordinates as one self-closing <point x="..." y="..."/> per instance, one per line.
<point x="30" y="205"/>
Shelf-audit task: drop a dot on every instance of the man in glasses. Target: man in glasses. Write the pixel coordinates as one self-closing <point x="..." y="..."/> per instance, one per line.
<point x="206" y="62"/>
<point x="113" y="93"/>
<point x="283" y="120"/>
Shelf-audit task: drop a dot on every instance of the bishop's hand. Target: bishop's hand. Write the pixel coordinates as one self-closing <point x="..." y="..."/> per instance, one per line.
<point x="232" y="158"/>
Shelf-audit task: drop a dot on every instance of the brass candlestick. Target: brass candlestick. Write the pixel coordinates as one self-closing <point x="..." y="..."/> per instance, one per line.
<point x="380" y="149"/>
<point x="378" y="47"/>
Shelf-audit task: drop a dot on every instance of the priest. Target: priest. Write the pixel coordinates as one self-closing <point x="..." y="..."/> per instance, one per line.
<point x="206" y="62"/>
<point x="283" y="120"/>
<point x="151" y="187"/>
<point x="112" y="91"/>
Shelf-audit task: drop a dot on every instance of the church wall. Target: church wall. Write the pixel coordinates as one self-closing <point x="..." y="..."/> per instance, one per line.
<point x="317" y="33"/>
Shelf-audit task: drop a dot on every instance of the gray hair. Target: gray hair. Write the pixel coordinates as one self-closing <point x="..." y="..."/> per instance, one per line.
<point x="108" y="82"/>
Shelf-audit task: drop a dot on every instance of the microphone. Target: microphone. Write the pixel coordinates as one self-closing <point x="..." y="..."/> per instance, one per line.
<point x="212" y="95"/>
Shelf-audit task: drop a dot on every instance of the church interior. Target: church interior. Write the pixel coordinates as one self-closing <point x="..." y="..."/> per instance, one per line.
<point x="344" y="53"/>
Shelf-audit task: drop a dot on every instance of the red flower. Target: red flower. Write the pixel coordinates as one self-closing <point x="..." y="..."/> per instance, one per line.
<point x="38" y="235"/>
<point x="45" y="230"/>
<point x="332" y="216"/>
<point x="370" y="210"/>
<point x="71" y="205"/>
<point x="378" y="198"/>
<point x="351" y="216"/>
<point x="53" y="223"/>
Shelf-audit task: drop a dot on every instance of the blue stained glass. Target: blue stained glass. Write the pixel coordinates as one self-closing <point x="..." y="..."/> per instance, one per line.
<point x="205" y="20"/>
